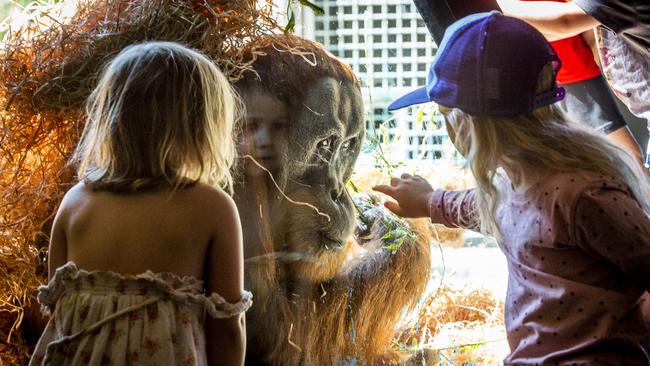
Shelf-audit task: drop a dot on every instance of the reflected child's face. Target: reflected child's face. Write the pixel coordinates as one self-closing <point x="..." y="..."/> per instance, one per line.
<point x="264" y="132"/>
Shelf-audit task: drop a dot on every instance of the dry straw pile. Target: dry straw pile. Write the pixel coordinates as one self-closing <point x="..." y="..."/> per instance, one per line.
<point x="48" y="67"/>
<point x="463" y="325"/>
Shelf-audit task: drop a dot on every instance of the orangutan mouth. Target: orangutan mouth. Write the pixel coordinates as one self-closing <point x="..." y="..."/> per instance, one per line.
<point x="326" y="241"/>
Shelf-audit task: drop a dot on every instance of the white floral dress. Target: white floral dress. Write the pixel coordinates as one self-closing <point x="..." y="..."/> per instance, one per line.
<point x="104" y="318"/>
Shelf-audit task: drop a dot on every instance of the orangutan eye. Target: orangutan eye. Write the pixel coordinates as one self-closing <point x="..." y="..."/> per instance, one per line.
<point x="326" y="143"/>
<point x="348" y="144"/>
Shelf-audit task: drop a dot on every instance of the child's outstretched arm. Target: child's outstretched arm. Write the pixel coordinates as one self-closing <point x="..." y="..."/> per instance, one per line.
<point x="609" y="223"/>
<point x="225" y="338"/>
<point x="412" y="194"/>
<point x="416" y="198"/>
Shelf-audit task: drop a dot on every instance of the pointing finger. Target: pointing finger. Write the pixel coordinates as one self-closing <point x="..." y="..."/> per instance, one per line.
<point x="385" y="189"/>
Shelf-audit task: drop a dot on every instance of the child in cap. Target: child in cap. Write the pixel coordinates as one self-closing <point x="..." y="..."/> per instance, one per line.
<point x="149" y="229"/>
<point x="569" y="209"/>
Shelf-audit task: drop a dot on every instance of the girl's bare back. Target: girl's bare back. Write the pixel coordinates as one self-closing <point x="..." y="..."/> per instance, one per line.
<point x="160" y="230"/>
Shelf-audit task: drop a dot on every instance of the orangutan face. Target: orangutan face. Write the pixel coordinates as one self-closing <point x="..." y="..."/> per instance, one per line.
<point x="323" y="145"/>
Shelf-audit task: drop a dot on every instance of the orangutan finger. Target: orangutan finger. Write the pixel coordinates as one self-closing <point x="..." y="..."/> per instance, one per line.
<point x="406" y="176"/>
<point x="394" y="181"/>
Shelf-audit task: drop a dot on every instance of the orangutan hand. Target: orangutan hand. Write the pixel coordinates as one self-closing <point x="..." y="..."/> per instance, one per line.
<point x="412" y="194"/>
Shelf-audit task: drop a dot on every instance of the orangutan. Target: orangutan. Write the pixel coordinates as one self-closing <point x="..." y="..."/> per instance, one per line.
<point x="322" y="296"/>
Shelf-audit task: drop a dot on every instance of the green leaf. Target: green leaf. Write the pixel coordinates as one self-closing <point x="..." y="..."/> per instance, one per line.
<point x="420" y="115"/>
<point x="315" y="8"/>
<point x="401" y="232"/>
<point x="354" y="186"/>
<point x="469" y="347"/>
<point x="291" y="23"/>
<point x="393" y="247"/>
<point x="388" y="235"/>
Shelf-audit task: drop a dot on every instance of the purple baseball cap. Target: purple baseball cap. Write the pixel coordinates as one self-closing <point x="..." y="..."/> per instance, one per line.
<point x="488" y="64"/>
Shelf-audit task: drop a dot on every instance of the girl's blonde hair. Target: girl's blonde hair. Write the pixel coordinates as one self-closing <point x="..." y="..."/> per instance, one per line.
<point x="542" y="141"/>
<point x="161" y="115"/>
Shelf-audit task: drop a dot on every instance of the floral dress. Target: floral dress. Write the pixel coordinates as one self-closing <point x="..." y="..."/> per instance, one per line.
<point x="105" y="318"/>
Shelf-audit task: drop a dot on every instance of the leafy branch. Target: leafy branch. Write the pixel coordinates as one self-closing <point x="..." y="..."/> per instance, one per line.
<point x="291" y="22"/>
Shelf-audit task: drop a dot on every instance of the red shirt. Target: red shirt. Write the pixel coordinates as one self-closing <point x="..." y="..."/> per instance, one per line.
<point x="577" y="59"/>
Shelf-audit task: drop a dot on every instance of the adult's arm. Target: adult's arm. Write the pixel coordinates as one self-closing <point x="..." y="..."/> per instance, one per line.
<point x="616" y="15"/>
<point x="554" y="20"/>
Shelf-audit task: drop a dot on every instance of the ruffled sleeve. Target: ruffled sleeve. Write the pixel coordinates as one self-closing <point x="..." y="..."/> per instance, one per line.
<point x="50" y="293"/>
<point x="218" y="307"/>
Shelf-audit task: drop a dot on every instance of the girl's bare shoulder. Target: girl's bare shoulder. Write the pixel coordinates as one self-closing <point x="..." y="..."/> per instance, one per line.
<point x="211" y="199"/>
<point x="76" y="196"/>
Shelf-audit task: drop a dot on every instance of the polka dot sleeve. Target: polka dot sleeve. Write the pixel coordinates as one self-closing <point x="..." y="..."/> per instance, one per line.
<point x="453" y="209"/>
<point x="610" y="223"/>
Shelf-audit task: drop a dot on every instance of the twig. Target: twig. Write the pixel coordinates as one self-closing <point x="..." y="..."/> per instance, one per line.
<point x="290" y="341"/>
<point x="282" y="192"/>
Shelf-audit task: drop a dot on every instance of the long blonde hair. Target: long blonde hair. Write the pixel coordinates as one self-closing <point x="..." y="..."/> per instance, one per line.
<point x="161" y="115"/>
<point x="542" y="141"/>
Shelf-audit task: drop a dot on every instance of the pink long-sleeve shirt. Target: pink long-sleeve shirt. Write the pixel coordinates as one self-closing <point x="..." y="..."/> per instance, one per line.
<point x="578" y="251"/>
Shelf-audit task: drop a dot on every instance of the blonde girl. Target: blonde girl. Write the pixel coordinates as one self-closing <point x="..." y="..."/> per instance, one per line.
<point x="149" y="240"/>
<point x="570" y="210"/>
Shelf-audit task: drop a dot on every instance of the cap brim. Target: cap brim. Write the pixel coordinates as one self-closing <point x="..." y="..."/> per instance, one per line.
<point x="417" y="96"/>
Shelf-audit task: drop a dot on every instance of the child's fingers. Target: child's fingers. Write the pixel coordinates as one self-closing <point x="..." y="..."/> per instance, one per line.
<point x="394" y="207"/>
<point x="385" y="189"/>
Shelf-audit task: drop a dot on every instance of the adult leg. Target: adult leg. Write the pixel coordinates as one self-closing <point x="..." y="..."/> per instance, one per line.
<point x="591" y="103"/>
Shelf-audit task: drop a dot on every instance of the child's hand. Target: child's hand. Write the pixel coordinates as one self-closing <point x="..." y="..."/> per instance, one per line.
<point x="412" y="194"/>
